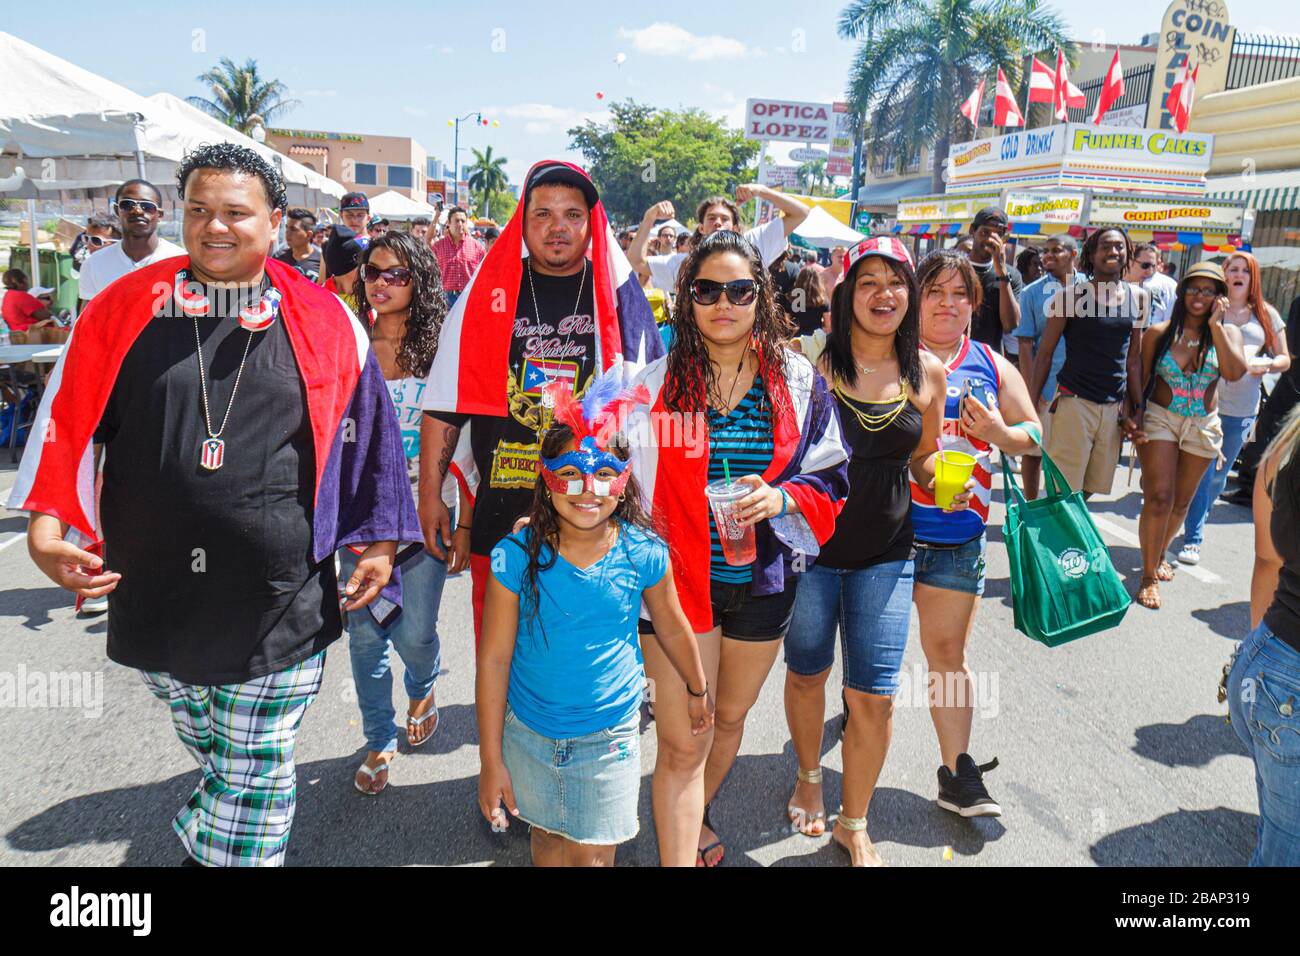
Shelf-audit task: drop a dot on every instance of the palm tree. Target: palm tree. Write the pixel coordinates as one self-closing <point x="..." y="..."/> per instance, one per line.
<point x="813" y="173"/>
<point x="240" y="97"/>
<point x="919" y="59"/>
<point x="487" y="175"/>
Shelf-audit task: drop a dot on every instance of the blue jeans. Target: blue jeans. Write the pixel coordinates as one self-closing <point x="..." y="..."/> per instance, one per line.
<point x="870" y="607"/>
<point x="414" y="635"/>
<point x="1264" y="704"/>
<point x="1235" y="431"/>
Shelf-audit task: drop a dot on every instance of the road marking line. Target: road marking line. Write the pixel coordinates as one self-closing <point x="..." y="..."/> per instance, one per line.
<point x="1128" y="537"/>
<point x="14" y="540"/>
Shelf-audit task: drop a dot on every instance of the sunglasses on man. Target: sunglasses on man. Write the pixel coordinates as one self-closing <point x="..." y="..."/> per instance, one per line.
<point x="739" y="291"/>
<point x="395" y="277"/>
<point x="131" y="205"/>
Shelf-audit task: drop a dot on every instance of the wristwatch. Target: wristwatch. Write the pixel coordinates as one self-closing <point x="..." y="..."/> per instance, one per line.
<point x="1003" y="278"/>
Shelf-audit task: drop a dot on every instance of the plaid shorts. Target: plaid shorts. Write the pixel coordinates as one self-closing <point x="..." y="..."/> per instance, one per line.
<point x="242" y="736"/>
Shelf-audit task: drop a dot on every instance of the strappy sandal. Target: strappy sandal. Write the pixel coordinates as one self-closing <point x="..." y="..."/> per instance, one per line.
<point x="413" y="725"/>
<point x="1165" y="571"/>
<point x="370" y="773"/>
<point x="701" y="855"/>
<point x="799" y="817"/>
<point x="854" y="825"/>
<point x="1148" y="594"/>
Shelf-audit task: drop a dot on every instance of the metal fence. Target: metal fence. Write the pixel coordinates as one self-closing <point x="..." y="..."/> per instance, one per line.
<point x="1137" y="91"/>
<point x="1262" y="59"/>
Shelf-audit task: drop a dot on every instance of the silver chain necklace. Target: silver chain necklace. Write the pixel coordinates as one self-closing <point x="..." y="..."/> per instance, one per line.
<point x="548" y="400"/>
<point x="213" y="454"/>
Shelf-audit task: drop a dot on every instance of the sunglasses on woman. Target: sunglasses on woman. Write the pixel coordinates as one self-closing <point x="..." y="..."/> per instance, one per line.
<point x="394" y="277"/>
<point x="99" y="241"/>
<point x="131" y="205"/>
<point x="739" y="291"/>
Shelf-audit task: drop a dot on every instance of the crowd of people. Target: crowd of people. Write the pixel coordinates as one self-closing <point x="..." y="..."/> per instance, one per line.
<point x="665" y="459"/>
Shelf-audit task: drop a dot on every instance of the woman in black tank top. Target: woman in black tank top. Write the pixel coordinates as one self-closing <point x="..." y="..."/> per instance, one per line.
<point x="1264" y="684"/>
<point x="890" y="397"/>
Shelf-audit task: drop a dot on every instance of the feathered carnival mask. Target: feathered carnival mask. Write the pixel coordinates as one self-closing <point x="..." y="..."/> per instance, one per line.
<point x="594" y="421"/>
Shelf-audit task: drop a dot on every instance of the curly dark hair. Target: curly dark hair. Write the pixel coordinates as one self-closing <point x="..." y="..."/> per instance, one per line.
<point x="229" y="156"/>
<point x="907" y="340"/>
<point x="428" y="301"/>
<point x="1174" y="329"/>
<point x="1090" y="248"/>
<point x="544" y="520"/>
<point x="692" y="374"/>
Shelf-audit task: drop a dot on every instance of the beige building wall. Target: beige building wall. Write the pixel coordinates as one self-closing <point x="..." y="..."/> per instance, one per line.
<point x="338" y="155"/>
<point x="1255" y="128"/>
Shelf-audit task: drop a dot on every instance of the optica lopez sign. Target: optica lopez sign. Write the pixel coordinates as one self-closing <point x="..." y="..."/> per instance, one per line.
<point x="789" y="120"/>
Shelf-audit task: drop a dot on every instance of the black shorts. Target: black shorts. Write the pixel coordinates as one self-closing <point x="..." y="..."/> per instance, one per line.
<point x="744" y="616"/>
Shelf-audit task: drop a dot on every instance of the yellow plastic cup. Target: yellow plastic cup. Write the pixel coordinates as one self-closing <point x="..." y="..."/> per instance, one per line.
<point x="952" y="470"/>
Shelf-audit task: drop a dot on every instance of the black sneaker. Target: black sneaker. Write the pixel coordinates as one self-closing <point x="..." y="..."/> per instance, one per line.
<point x="964" y="793"/>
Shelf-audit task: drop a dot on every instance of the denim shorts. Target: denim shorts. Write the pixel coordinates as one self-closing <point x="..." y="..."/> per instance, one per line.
<point x="952" y="567"/>
<point x="744" y="616"/>
<point x="1264" y="704"/>
<point x="871" y="608"/>
<point x="584" y="789"/>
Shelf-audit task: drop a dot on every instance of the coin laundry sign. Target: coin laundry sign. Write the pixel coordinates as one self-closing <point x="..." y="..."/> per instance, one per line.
<point x="789" y="120"/>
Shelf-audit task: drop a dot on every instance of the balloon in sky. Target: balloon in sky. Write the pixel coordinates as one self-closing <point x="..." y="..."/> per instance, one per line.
<point x="620" y="59"/>
<point x="599" y="95"/>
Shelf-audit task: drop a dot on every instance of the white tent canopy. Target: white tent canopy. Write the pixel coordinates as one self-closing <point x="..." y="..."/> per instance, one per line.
<point x="393" y="205"/>
<point x="67" y="128"/>
<point x="678" y="228"/>
<point x="824" y="230"/>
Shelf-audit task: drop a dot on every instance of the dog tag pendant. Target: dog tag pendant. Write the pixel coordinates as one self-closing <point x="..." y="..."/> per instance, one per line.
<point x="214" y="454"/>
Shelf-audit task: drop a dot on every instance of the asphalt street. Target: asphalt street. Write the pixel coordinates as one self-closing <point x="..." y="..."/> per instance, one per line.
<point x="1112" y="749"/>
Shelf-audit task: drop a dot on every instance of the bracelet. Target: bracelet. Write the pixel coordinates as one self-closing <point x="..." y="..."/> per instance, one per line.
<point x="785" y="502"/>
<point x="703" y="693"/>
<point x="465" y="526"/>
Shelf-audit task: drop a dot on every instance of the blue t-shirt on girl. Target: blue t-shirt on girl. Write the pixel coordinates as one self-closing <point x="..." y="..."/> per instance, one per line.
<point x="577" y="666"/>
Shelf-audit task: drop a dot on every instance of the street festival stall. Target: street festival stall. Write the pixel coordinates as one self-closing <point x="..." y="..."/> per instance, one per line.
<point x="1074" y="178"/>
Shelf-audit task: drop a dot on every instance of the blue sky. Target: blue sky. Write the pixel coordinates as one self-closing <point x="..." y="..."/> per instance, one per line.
<point x="404" y="68"/>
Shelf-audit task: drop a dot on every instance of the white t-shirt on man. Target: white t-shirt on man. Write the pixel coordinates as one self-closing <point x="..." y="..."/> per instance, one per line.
<point x="768" y="239"/>
<point x="101" y="269"/>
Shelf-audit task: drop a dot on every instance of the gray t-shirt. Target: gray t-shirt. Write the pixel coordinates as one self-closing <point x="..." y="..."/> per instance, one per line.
<point x="1240" y="399"/>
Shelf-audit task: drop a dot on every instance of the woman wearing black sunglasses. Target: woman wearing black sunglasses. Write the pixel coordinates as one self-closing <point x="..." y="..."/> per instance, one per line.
<point x="401" y="300"/>
<point x="729" y="396"/>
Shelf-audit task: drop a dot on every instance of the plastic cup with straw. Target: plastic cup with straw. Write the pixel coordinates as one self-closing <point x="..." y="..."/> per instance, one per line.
<point x="737" y="540"/>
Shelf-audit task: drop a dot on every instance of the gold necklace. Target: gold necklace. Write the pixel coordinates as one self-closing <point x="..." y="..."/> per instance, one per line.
<point x="871" y="422"/>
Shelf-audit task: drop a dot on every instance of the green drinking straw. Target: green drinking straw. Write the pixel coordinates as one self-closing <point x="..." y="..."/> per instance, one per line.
<point x="726" y="470"/>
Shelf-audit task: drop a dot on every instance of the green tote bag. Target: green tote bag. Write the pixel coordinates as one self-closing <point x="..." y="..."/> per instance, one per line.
<point x="1063" y="585"/>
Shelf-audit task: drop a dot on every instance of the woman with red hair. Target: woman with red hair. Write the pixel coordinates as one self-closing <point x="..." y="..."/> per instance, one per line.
<point x="1265" y="347"/>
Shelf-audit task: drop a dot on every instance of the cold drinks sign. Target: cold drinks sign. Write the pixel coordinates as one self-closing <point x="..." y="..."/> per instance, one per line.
<point x="790" y="121"/>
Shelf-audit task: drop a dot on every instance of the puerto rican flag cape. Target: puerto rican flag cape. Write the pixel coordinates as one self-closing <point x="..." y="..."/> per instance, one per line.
<point x="809" y="461"/>
<point x="469" y="372"/>
<point x="362" y="490"/>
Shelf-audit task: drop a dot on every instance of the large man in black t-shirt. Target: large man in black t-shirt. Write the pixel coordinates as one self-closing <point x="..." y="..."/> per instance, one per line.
<point x="999" y="311"/>
<point x="248" y="434"/>
<point x="553" y="337"/>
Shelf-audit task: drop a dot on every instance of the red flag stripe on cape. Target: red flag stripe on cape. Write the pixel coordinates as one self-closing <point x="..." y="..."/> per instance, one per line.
<point x="57" y="472"/>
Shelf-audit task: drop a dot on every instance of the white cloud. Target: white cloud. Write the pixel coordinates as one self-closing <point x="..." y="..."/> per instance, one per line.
<point x="545" y="117"/>
<point x="668" y="39"/>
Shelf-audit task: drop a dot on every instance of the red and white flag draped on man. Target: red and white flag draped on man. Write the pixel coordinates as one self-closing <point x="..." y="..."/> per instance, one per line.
<point x="469" y="373"/>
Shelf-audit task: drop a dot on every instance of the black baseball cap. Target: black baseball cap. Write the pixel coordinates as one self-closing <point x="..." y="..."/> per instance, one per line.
<point x="559" y="174"/>
<point x="354" y="201"/>
<point x="342" y="252"/>
<point x="989" y="216"/>
<point x="376" y="221"/>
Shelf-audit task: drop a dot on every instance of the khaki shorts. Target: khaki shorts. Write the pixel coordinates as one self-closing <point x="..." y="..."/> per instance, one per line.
<point x="1045" y="417"/>
<point x="1086" y="442"/>
<point x="1200" y="435"/>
